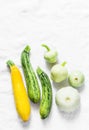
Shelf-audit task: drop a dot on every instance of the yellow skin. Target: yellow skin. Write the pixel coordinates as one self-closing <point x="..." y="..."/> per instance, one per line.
<point x="20" y="96"/>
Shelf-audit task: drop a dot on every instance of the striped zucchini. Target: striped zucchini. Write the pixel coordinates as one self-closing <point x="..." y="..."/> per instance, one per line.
<point x="46" y="102"/>
<point x="30" y="76"/>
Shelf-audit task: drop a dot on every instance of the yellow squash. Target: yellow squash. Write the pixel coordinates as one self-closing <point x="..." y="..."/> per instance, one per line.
<point x="20" y="96"/>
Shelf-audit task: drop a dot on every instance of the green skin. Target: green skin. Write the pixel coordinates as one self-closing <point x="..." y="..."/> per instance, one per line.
<point x="46" y="102"/>
<point x="30" y="76"/>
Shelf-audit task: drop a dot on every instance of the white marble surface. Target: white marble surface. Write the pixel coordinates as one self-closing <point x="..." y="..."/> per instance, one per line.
<point x="63" y="24"/>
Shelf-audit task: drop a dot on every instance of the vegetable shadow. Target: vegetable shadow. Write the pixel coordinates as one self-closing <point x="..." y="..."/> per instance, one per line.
<point x="50" y="65"/>
<point x="35" y="105"/>
<point x="61" y="84"/>
<point x="25" y="124"/>
<point x="47" y="119"/>
<point x="72" y="115"/>
<point x="80" y="89"/>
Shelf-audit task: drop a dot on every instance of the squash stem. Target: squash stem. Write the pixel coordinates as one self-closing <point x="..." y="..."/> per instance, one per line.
<point x="45" y="46"/>
<point x="10" y="63"/>
<point x="64" y="63"/>
<point x="27" y="49"/>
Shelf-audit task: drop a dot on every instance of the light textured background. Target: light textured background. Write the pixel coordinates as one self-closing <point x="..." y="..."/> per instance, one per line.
<point x="63" y="24"/>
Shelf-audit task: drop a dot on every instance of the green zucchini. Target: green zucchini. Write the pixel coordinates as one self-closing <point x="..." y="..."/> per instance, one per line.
<point x="30" y="76"/>
<point x="46" y="102"/>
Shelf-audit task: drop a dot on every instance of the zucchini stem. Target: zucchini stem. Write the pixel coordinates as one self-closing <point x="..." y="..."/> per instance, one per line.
<point x="45" y="46"/>
<point x="39" y="71"/>
<point x="27" y="49"/>
<point x="10" y="63"/>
